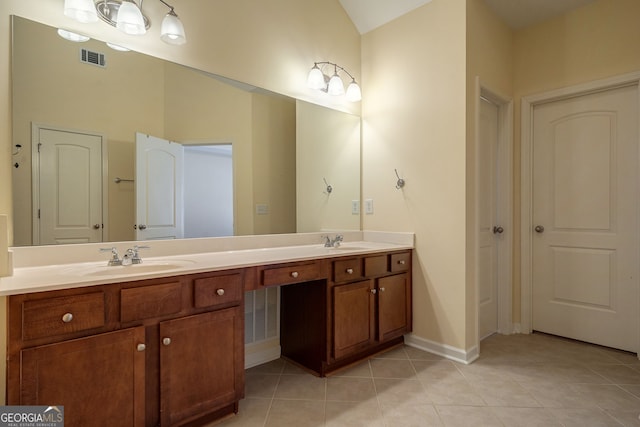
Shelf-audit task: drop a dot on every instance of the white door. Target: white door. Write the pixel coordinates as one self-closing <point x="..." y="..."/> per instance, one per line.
<point x="67" y="187"/>
<point x="489" y="230"/>
<point x="585" y="217"/>
<point x="159" y="188"/>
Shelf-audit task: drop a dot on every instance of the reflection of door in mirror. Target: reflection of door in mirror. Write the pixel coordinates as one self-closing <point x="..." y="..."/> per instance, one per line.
<point x="182" y="190"/>
<point x="67" y="186"/>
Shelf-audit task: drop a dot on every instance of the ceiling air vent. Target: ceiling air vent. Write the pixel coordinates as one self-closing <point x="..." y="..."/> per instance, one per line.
<point x="93" y="58"/>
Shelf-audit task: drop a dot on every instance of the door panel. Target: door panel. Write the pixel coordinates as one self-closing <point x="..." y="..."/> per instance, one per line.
<point x="69" y="188"/>
<point x="585" y="166"/>
<point x="353" y="309"/>
<point x="392" y="306"/>
<point x="159" y="188"/>
<point x="487" y="219"/>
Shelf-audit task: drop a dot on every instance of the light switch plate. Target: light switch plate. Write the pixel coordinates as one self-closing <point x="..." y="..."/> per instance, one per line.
<point x="262" y="209"/>
<point x="368" y="206"/>
<point x="355" y="207"/>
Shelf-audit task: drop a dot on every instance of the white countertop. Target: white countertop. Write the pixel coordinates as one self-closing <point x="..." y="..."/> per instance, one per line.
<point x="80" y="274"/>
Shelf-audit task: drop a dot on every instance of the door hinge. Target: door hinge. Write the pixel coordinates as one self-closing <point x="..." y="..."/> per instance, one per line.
<point x="39" y="145"/>
<point x="38" y="213"/>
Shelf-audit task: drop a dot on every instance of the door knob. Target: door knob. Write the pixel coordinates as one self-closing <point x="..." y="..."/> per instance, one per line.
<point x="539" y="229"/>
<point x="498" y="230"/>
<point x="142" y="227"/>
<point x="96" y="226"/>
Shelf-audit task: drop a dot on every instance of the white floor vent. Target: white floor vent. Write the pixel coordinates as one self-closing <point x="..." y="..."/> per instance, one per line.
<point x="93" y="58"/>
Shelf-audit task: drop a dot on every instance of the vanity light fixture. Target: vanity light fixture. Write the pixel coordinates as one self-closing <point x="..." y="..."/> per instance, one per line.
<point x="71" y="36"/>
<point x="333" y="85"/>
<point x="127" y="16"/>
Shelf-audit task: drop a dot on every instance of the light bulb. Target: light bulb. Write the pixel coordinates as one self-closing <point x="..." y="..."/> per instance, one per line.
<point x="172" y="30"/>
<point x="130" y="19"/>
<point x="354" y="94"/>
<point x="73" y="37"/>
<point x="316" y="79"/>
<point x="336" y="87"/>
<point x="81" y="10"/>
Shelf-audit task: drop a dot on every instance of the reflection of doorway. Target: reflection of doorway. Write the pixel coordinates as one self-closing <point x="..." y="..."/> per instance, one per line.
<point x="208" y="190"/>
<point x="183" y="190"/>
<point x="67" y="186"/>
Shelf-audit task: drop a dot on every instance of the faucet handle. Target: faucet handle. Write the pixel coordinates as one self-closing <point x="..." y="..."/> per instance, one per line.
<point x="135" y="255"/>
<point x="115" y="258"/>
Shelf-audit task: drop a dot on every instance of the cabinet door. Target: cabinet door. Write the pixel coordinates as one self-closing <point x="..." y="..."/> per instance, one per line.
<point x="353" y="317"/>
<point x="393" y="306"/>
<point x="99" y="380"/>
<point x="201" y="364"/>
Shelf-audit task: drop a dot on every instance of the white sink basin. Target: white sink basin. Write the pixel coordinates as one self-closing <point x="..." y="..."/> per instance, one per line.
<point x="118" y="270"/>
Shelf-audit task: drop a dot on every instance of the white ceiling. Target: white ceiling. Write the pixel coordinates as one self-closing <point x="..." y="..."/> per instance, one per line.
<point x="370" y="14"/>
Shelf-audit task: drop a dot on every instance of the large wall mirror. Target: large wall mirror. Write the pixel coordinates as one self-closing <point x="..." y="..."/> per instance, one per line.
<point x="254" y="162"/>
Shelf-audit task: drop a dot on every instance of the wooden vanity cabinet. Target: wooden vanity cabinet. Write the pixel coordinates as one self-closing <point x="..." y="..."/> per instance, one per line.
<point x="363" y="308"/>
<point x="165" y="352"/>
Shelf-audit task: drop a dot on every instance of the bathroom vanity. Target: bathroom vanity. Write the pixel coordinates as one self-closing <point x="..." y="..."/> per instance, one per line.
<point x="165" y="346"/>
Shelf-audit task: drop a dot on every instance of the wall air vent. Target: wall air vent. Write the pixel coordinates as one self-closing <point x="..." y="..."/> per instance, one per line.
<point x="93" y="58"/>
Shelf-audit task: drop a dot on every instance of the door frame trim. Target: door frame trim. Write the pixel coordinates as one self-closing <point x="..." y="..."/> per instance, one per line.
<point x="526" y="174"/>
<point x="504" y="206"/>
<point x="35" y="177"/>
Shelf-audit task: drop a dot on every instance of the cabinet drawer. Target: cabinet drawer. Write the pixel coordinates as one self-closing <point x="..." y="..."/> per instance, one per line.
<point x="375" y="265"/>
<point x="150" y="301"/>
<point x="62" y="315"/>
<point x="400" y="262"/>
<point x="218" y="290"/>
<point x="345" y="270"/>
<point x="297" y="273"/>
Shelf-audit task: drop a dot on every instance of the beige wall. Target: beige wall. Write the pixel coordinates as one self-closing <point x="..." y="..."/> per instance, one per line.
<point x="327" y="147"/>
<point x="414" y="120"/>
<point x="274" y="163"/>
<point x="595" y="41"/>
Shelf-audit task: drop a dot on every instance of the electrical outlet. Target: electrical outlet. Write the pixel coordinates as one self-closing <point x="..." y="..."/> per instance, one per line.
<point x="368" y="206"/>
<point x="355" y="207"/>
<point x="262" y="209"/>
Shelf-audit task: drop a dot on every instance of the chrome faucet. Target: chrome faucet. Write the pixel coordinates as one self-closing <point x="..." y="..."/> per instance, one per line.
<point x="333" y="243"/>
<point x="132" y="256"/>
<point x="115" y="258"/>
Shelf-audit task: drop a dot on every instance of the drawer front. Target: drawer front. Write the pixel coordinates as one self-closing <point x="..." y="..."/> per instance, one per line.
<point x="400" y="262"/>
<point x="62" y="315"/>
<point x="346" y="270"/>
<point x="150" y="301"/>
<point x="375" y="265"/>
<point x="218" y="290"/>
<point x="290" y="274"/>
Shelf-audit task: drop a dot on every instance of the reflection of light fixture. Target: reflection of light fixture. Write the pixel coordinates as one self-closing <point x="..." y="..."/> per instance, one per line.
<point x="127" y="16"/>
<point x="318" y="80"/>
<point x="73" y="37"/>
<point x="118" y="47"/>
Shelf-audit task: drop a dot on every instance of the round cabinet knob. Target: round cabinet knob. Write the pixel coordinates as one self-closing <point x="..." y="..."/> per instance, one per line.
<point x="373" y="291"/>
<point x="141" y="347"/>
<point x="67" y="317"/>
<point x="220" y="292"/>
<point x="381" y="289"/>
<point x="349" y="270"/>
<point x="142" y="227"/>
<point x="96" y="226"/>
<point x="539" y="229"/>
<point x="166" y="341"/>
<point x="402" y="262"/>
<point x="294" y="274"/>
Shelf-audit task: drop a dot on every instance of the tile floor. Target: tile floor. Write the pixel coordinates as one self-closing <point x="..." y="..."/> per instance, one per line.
<point x="519" y="380"/>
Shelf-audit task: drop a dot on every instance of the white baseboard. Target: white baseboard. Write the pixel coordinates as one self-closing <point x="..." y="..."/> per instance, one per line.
<point x="517" y="328"/>
<point x="444" y="350"/>
<point x="257" y="355"/>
